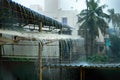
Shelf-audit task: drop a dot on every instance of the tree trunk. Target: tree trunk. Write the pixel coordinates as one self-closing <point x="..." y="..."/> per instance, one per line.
<point x="91" y="44"/>
<point x="86" y="45"/>
<point x="0" y="52"/>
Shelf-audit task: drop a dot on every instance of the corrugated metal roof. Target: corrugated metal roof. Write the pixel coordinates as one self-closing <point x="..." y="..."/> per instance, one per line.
<point x="12" y="12"/>
<point x="86" y="65"/>
<point x="67" y="65"/>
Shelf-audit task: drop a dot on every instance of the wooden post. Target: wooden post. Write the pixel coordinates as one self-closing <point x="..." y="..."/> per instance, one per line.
<point x="40" y="27"/>
<point x="60" y="57"/>
<point x="0" y="54"/>
<point x="40" y="60"/>
<point x="60" y="51"/>
<point x="82" y="74"/>
<point x="40" y="47"/>
<point x="0" y="49"/>
<point x="60" y="32"/>
<point x="70" y="53"/>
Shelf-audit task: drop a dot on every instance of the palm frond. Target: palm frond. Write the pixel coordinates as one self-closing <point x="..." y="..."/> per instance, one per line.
<point x="93" y="17"/>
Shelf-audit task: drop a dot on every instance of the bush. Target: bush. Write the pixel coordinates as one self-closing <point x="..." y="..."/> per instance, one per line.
<point x="98" y="58"/>
<point x="115" y="47"/>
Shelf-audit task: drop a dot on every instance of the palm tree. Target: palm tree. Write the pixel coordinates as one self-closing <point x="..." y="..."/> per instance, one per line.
<point x="90" y="20"/>
<point x="114" y="18"/>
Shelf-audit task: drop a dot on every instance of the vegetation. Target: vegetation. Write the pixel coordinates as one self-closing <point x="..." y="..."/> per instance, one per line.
<point x="114" y="18"/>
<point x="115" y="48"/>
<point x="98" y="58"/>
<point x="90" y="20"/>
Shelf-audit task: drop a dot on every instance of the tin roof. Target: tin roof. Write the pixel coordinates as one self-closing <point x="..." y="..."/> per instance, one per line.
<point x="85" y="65"/>
<point x="13" y="13"/>
<point x="64" y="65"/>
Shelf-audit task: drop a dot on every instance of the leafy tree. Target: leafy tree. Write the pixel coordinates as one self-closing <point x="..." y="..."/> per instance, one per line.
<point x="114" y="19"/>
<point x="90" y="20"/>
<point x="115" y="47"/>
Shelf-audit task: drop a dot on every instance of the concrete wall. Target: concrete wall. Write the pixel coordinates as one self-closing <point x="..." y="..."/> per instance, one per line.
<point x="73" y="49"/>
<point x="29" y="48"/>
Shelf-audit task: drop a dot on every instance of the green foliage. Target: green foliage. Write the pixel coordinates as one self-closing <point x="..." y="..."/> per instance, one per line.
<point x="98" y="58"/>
<point x="93" y="18"/>
<point x="115" y="47"/>
<point x="89" y="21"/>
<point x="114" y="18"/>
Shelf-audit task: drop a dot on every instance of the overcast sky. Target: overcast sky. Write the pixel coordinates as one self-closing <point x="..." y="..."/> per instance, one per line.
<point x="67" y="3"/>
<point x="27" y="3"/>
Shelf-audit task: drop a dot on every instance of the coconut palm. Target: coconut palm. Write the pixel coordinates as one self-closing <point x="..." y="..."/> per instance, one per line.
<point x="114" y="18"/>
<point x="90" y="20"/>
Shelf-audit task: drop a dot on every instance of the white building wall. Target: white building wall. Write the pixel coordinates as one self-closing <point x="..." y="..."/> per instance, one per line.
<point x="36" y="7"/>
<point x="51" y="5"/>
<point x="57" y="9"/>
<point x="70" y="15"/>
<point x="67" y="5"/>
